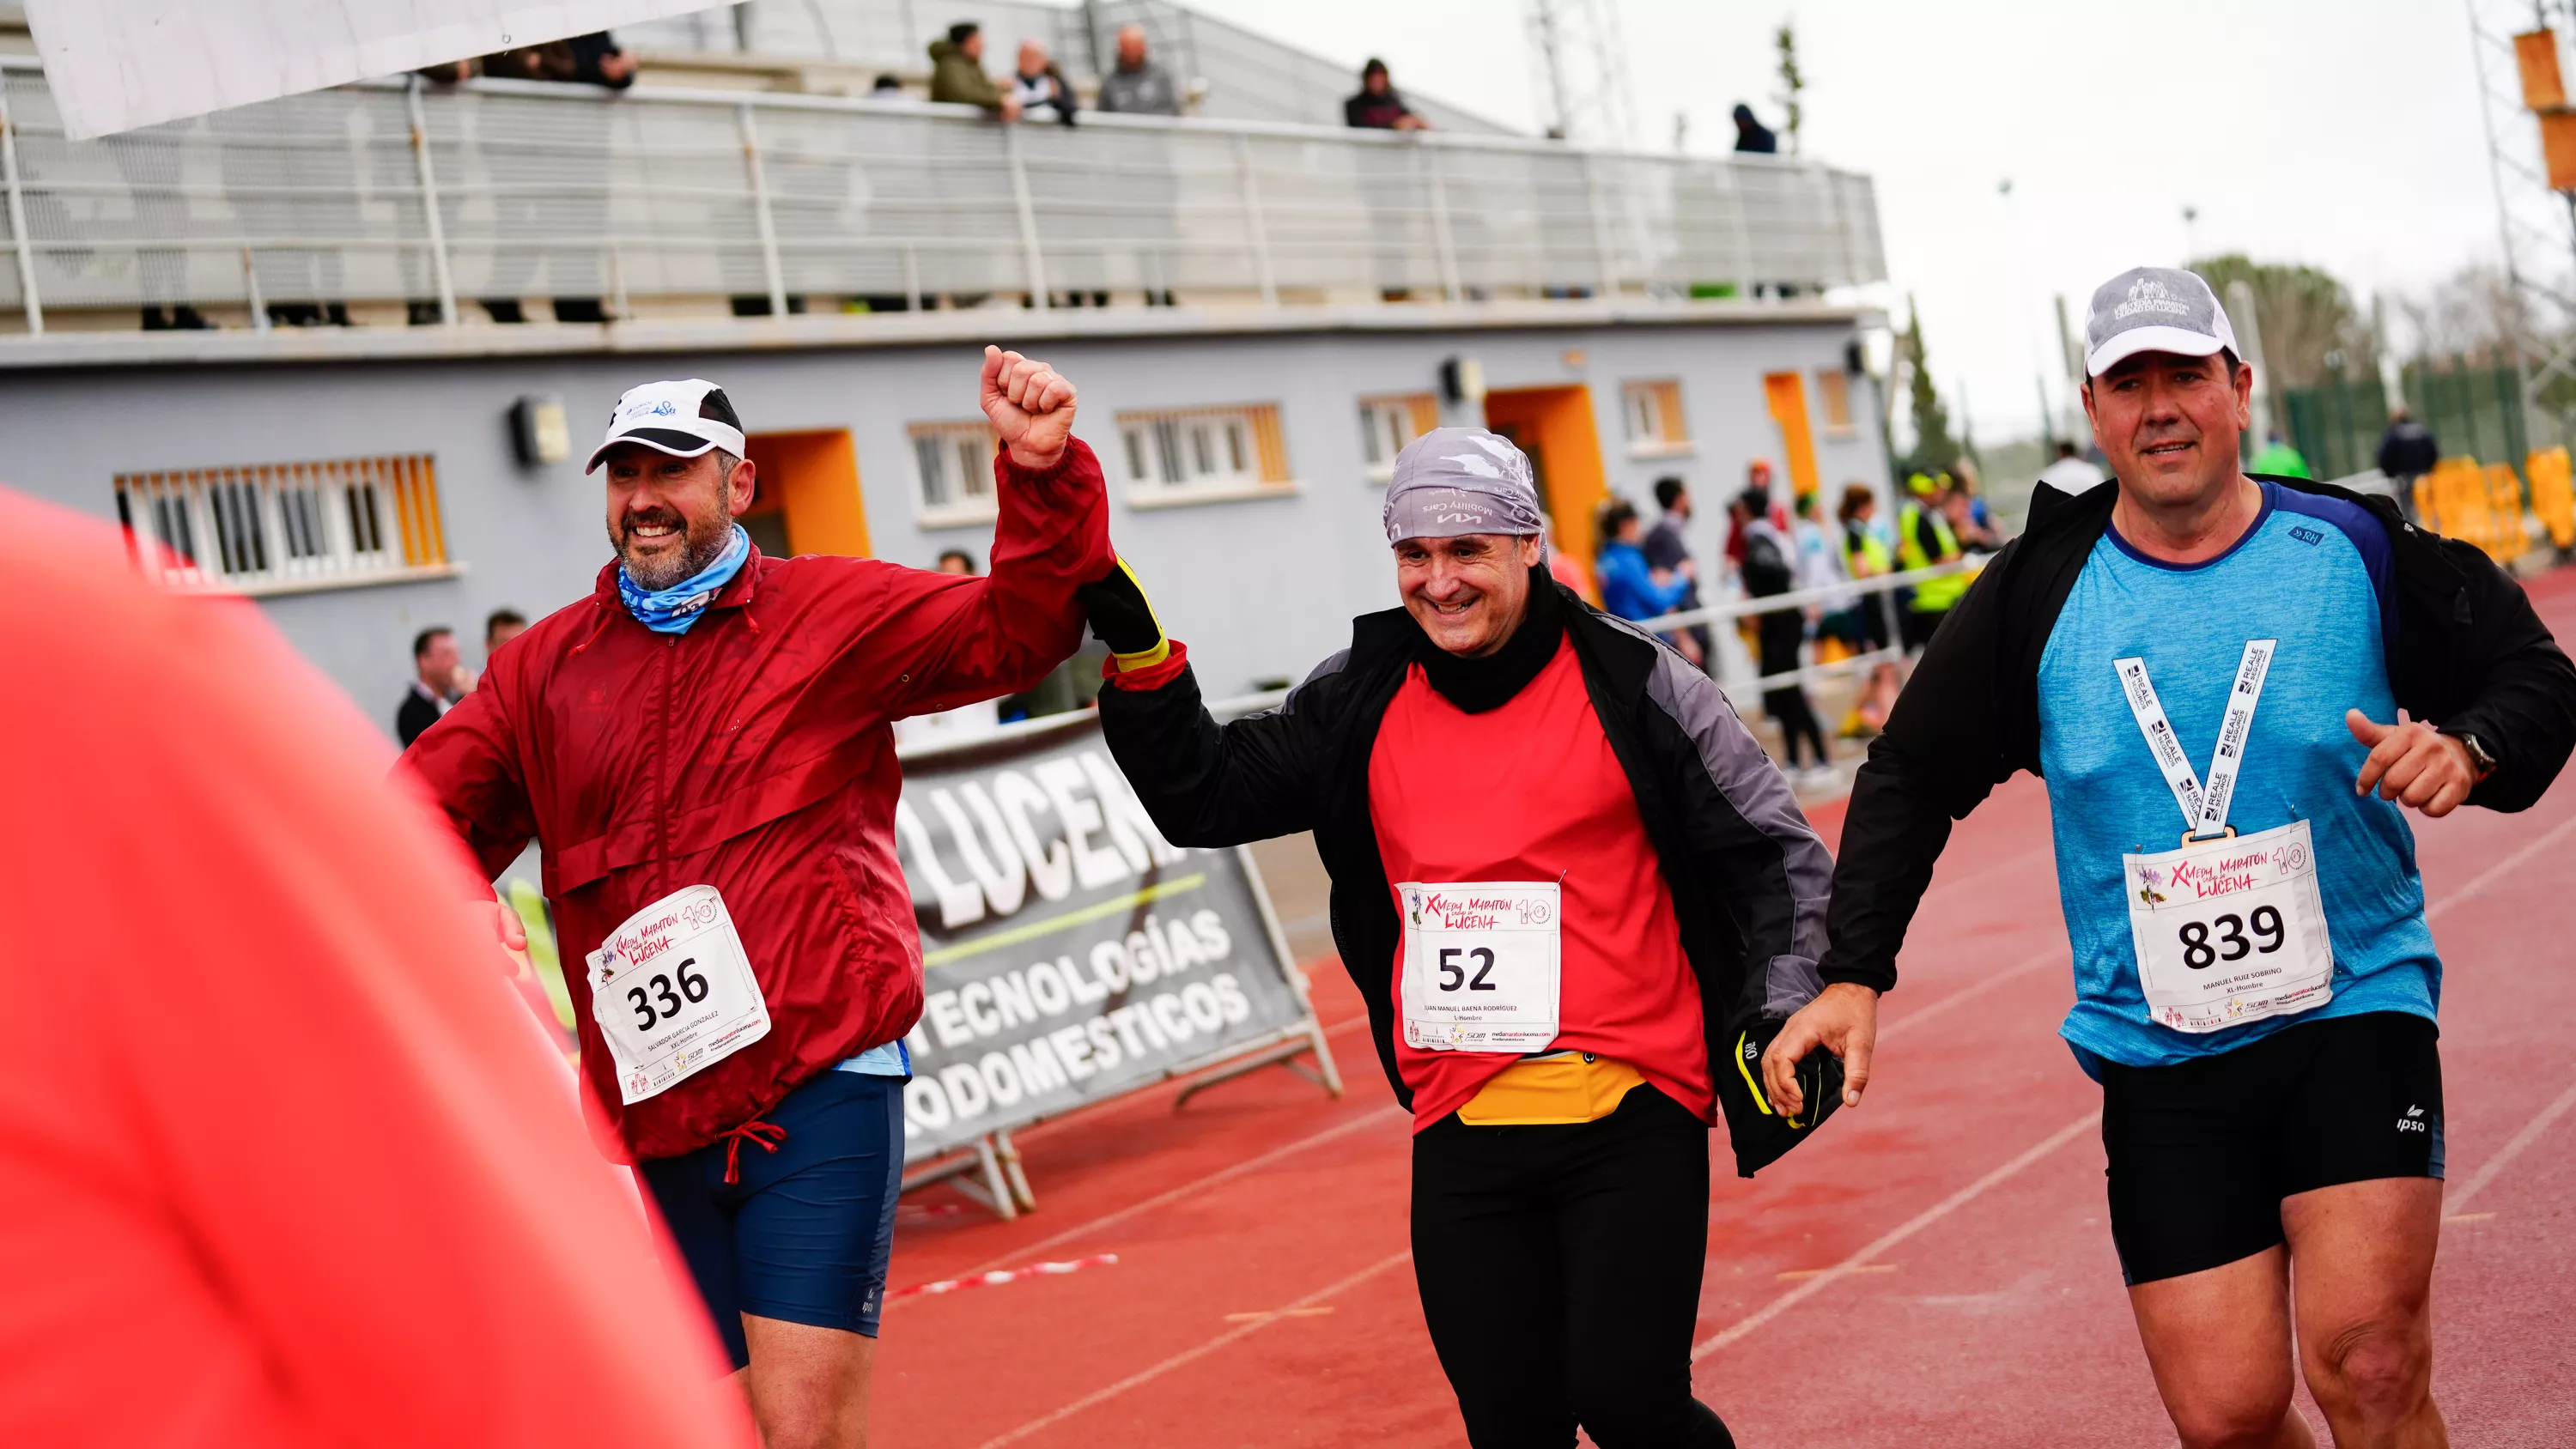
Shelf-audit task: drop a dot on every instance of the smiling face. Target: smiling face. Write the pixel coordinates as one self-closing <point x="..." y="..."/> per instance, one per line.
<point x="668" y="518"/>
<point x="2171" y="424"/>
<point x="1469" y="592"/>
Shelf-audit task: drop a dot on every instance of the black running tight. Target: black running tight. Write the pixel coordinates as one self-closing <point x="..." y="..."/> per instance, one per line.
<point x="1560" y="1272"/>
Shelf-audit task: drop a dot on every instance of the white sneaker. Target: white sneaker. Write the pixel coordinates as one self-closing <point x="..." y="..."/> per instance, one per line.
<point x="1818" y="777"/>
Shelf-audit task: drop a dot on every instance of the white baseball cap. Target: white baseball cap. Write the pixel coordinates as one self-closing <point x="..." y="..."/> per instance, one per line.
<point x="2154" y="309"/>
<point x="683" y="419"/>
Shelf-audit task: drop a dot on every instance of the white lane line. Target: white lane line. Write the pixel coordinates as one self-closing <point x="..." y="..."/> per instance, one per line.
<point x="2458" y="1202"/>
<point x="2018" y="969"/>
<point x="1900" y="1233"/>
<point x="1164" y="1199"/>
<point x="2491" y="874"/>
<point x="1192" y="1355"/>
<point x="2486" y="1174"/>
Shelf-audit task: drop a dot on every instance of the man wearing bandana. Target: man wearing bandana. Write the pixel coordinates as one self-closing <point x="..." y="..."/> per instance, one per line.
<point x="1579" y="901"/>
<point x="703" y="750"/>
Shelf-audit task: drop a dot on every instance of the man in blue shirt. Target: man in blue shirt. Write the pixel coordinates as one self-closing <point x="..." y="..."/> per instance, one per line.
<point x="2231" y="684"/>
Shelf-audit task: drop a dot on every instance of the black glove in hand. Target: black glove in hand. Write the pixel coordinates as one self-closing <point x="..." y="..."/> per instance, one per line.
<point x="1122" y="616"/>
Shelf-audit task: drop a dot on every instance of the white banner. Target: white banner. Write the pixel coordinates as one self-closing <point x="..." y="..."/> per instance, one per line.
<point x="1070" y="954"/>
<point x="118" y="64"/>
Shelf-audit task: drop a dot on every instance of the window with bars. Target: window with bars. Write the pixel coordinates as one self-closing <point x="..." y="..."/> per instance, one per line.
<point x="1183" y="455"/>
<point x="953" y="465"/>
<point x="1653" y="415"/>
<point x="1387" y="424"/>
<point x="277" y="527"/>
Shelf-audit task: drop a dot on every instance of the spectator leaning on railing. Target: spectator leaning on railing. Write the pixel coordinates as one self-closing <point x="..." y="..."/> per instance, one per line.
<point x="1138" y="87"/>
<point x="957" y="72"/>
<point x="1040" y="88"/>
<point x="592" y="60"/>
<point x="1377" y="107"/>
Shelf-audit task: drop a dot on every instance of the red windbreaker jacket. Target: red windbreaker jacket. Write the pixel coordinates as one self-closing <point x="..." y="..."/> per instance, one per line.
<point x="753" y="754"/>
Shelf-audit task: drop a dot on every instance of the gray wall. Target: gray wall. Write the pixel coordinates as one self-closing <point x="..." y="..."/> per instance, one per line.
<point x="1259" y="589"/>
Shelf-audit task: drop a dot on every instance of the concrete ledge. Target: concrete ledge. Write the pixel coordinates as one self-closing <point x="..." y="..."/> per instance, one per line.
<point x="1016" y="327"/>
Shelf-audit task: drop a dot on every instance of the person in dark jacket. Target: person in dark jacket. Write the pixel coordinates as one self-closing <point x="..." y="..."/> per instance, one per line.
<point x="2407" y="452"/>
<point x="1769" y="568"/>
<point x="1377" y="107"/>
<point x="1751" y="135"/>
<point x="435" y="672"/>
<point x="1667" y="548"/>
<point x="1577" y="899"/>
<point x="590" y="60"/>
<point x="2257" y="1002"/>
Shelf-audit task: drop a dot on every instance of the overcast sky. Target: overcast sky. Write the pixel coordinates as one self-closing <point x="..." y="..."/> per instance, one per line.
<point x="2342" y="133"/>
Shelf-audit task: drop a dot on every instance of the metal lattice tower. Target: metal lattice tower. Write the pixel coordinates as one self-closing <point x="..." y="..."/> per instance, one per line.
<point x="2536" y="226"/>
<point x="1581" y="70"/>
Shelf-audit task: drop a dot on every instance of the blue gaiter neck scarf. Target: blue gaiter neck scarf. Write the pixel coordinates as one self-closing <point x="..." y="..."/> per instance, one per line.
<point x="673" y="610"/>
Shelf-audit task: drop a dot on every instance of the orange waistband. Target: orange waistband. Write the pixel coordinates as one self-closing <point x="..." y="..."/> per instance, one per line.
<point x="1554" y="1090"/>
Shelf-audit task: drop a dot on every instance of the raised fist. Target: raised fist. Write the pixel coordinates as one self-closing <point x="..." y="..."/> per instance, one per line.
<point x="1030" y="405"/>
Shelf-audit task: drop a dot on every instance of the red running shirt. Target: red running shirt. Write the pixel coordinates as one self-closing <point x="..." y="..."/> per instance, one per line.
<point x="283" y="1161"/>
<point x="1531" y="791"/>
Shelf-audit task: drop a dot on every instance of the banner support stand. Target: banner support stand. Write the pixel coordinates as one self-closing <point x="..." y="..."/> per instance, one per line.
<point x="1325" y="1073"/>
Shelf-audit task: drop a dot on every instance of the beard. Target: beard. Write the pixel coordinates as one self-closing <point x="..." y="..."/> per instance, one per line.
<point x="706" y="541"/>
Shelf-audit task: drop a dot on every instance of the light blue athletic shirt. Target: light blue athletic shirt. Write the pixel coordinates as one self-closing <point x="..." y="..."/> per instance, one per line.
<point x="2313" y="573"/>
<point x="893" y="1059"/>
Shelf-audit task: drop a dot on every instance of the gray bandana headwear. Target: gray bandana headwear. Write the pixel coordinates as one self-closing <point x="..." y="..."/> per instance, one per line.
<point x="1451" y="481"/>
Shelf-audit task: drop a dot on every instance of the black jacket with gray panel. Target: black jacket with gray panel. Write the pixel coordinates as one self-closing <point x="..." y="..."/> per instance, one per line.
<point x="1748" y="876"/>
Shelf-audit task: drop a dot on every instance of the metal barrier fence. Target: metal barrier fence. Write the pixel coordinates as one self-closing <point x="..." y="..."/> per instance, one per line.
<point x="1737" y="689"/>
<point x="1829" y="594"/>
<point x="397" y="191"/>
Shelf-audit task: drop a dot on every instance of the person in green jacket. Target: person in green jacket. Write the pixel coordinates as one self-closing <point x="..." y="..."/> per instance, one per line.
<point x="957" y="72"/>
<point x="2279" y="459"/>
<point x="1924" y="538"/>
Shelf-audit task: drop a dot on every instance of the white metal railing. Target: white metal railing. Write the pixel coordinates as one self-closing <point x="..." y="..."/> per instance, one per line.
<point x="1244" y="704"/>
<point x="1880" y="590"/>
<point x="396" y="191"/>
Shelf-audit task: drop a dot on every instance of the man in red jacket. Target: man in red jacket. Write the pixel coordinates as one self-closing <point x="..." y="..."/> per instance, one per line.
<point x="702" y="749"/>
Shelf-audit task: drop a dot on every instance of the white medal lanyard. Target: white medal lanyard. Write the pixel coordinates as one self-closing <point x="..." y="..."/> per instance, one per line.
<point x="2204" y="809"/>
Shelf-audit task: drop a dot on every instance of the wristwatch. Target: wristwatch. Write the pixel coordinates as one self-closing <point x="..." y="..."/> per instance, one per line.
<point x="2478" y="756"/>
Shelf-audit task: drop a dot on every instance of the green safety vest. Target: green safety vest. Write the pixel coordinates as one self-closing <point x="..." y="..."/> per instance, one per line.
<point x="1869" y="559"/>
<point x="1932" y="596"/>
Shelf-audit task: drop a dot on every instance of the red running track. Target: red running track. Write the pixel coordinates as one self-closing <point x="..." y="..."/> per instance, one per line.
<point x="1935" y="1269"/>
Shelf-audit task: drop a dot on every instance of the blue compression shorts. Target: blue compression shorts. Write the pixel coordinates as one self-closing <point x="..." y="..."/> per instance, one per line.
<point x="805" y="1234"/>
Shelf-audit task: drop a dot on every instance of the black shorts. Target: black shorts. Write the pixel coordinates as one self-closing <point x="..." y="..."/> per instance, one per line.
<point x="2202" y="1152"/>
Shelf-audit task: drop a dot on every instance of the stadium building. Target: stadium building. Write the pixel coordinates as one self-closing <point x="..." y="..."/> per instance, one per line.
<point x="418" y="301"/>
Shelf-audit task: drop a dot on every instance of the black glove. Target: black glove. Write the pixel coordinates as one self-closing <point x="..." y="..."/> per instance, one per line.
<point x="1123" y="618"/>
<point x="1761" y="1135"/>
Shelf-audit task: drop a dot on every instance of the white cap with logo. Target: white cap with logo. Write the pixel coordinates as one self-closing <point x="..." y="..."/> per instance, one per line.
<point x="2153" y="309"/>
<point x="683" y="418"/>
